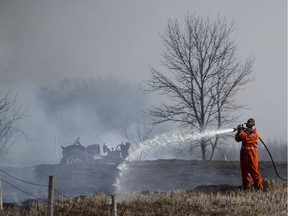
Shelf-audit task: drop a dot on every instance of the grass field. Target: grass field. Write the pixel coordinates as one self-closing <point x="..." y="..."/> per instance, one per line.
<point x="219" y="201"/>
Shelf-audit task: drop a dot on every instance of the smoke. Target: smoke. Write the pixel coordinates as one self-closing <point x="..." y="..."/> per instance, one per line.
<point x="58" y="114"/>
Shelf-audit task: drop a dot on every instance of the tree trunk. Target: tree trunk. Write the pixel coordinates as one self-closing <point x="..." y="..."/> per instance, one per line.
<point x="214" y="145"/>
<point x="203" y="148"/>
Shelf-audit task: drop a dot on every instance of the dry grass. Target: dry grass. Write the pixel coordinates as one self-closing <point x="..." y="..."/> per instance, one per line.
<point x="273" y="201"/>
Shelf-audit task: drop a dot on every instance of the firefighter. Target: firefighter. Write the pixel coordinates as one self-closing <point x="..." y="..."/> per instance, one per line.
<point x="248" y="155"/>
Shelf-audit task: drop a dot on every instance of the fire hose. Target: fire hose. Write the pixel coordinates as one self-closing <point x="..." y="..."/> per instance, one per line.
<point x="272" y="160"/>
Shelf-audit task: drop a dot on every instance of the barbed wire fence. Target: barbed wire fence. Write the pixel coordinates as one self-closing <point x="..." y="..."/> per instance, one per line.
<point x="50" y="187"/>
<point x="49" y="201"/>
<point x="30" y="183"/>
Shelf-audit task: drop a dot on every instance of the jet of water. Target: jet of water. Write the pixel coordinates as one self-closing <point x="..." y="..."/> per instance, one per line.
<point x="179" y="139"/>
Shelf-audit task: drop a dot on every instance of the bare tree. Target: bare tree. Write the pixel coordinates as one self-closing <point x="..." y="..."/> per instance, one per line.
<point x="204" y="74"/>
<point x="9" y="119"/>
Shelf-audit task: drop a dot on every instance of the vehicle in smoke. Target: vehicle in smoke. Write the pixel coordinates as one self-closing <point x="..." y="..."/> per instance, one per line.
<point x="79" y="154"/>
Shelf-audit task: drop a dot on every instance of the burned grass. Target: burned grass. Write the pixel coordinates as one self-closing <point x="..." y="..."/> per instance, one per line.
<point x="212" y="200"/>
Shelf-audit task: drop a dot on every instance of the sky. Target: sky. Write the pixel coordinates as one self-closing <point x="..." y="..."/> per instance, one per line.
<point x="44" y="41"/>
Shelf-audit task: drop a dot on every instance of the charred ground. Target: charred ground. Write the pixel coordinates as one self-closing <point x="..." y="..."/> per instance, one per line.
<point x="158" y="175"/>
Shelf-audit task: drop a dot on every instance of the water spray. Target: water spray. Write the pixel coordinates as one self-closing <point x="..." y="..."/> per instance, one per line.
<point x="177" y="138"/>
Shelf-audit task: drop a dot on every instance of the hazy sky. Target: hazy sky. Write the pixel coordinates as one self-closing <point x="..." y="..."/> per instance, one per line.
<point x="43" y="41"/>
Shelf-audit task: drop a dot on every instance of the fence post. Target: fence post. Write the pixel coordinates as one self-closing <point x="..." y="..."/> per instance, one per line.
<point x="114" y="206"/>
<point x="50" y="196"/>
<point x="1" y="200"/>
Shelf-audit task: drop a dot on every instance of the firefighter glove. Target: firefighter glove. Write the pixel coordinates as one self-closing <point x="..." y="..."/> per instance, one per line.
<point x="240" y="127"/>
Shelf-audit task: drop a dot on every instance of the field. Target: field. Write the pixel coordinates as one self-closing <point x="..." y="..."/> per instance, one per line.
<point x="219" y="200"/>
<point x="162" y="187"/>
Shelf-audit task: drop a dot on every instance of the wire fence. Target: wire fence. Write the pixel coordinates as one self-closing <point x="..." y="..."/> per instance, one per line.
<point x="30" y="183"/>
<point x="50" y="200"/>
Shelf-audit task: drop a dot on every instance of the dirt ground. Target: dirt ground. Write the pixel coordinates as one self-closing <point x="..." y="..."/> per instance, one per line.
<point x="158" y="175"/>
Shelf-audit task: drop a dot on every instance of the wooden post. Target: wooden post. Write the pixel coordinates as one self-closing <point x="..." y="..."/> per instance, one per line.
<point x="1" y="200"/>
<point x="50" y="196"/>
<point x="114" y="206"/>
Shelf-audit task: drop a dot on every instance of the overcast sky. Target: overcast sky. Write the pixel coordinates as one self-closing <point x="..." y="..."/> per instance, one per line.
<point x="43" y="41"/>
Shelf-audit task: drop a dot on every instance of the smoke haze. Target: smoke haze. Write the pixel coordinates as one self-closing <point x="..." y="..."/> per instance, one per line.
<point x="43" y="43"/>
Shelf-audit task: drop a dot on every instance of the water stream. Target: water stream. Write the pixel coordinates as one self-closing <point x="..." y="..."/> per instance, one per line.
<point x="179" y="139"/>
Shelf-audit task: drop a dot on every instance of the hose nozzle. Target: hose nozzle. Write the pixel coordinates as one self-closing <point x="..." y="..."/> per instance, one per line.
<point x="239" y="127"/>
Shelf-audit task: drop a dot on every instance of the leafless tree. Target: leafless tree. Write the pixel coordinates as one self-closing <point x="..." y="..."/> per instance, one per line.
<point x="9" y="119"/>
<point x="203" y="74"/>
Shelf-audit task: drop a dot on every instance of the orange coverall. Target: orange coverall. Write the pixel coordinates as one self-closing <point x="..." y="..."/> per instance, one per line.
<point x="249" y="157"/>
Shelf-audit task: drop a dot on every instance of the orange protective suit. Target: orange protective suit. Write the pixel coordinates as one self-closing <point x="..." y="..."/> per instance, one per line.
<point x="249" y="157"/>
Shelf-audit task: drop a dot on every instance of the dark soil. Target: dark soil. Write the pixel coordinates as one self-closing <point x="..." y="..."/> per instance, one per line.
<point x="158" y="175"/>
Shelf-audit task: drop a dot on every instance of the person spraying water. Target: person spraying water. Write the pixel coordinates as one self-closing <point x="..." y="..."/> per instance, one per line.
<point x="248" y="155"/>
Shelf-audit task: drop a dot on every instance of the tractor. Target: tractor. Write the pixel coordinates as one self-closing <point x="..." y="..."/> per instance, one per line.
<point x="79" y="154"/>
